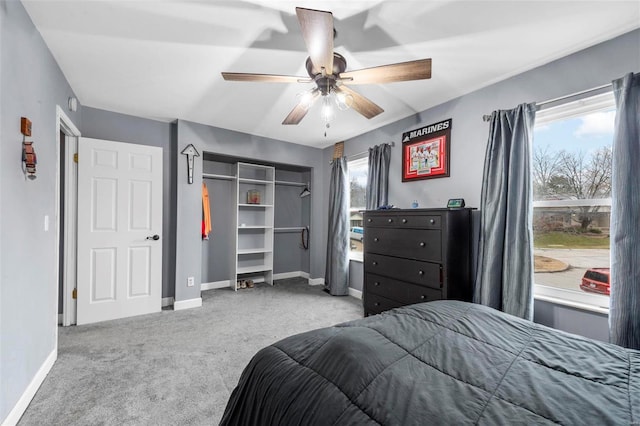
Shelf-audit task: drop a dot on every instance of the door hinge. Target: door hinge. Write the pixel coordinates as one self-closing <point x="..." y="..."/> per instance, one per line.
<point x="75" y="157"/>
<point x="74" y="294"/>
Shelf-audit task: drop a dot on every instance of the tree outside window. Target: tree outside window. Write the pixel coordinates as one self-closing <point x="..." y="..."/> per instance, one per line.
<point x="571" y="175"/>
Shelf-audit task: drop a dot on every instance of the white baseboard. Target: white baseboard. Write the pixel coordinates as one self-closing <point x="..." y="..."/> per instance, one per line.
<point x="285" y="275"/>
<point x="355" y="293"/>
<point x="304" y="275"/>
<point x="214" y="285"/>
<point x="167" y="301"/>
<point x="28" y="394"/>
<point x="179" y="305"/>
<point x="316" y="281"/>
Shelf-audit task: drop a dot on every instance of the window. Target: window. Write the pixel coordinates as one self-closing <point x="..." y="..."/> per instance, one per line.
<point x="571" y="167"/>
<point x="358" y="172"/>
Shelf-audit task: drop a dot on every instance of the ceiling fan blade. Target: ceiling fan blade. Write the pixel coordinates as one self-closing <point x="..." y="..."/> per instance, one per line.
<point x="300" y="110"/>
<point x="264" y="78"/>
<point x="317" y="30"/>
<point x="404" y="71"/>
<point x="361" y="104"/>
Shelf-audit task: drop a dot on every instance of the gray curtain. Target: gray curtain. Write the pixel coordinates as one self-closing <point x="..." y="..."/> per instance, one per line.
<point x="336" y="276"/>
<point x="378" y="178"/>
<point x="624" y="312"/>
<point x="504" y="278"/>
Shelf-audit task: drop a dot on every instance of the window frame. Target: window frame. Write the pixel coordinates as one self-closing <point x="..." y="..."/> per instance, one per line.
<point x="573" y="108"/>
<point x="359" y="159"/>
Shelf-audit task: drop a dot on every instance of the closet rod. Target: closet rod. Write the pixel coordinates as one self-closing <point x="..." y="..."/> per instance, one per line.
<point x="284" y="182"/>
<point x="289" y="229"/>
<point x="215" y="176"/>
<point x="541" y="105"/>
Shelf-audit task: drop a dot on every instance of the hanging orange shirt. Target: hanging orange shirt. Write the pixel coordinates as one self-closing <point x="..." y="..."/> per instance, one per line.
<point x="206" y="212"/>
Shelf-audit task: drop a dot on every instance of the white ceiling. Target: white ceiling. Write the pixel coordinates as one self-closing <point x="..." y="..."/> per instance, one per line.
<point x="162" y="59"/>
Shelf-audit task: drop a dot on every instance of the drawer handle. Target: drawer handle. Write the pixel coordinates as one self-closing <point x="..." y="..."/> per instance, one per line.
<point x="389" y="220"/>
<point x="420" y="272"/>
<point x="404" y="220"/>
<point x="422" y="297"/>
<point x="374" y="263"/>
<point x="432" y="221"/>
<point x="376" y="239"/>
<point x="376" y="284"/>
<point x="376" y="304"/>
<point x="369" y="220"/>
<point x="422" y="244"/>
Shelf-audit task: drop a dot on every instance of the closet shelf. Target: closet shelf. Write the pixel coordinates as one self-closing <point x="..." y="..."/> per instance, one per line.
<point x="284" y="182"/>
<point x="255" y="205"/>
<point x="216" y="176"/>
<point x="255" y="227"/>
<point x="289" y="229"/>
<point x="254" y="251"/>
<point x="255" y="268"/>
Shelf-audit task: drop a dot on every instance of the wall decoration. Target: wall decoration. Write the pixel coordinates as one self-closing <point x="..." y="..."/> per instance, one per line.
<point x="29" y="160"/>
<point x="190" y="151"/>
<point x="425" y="152"/>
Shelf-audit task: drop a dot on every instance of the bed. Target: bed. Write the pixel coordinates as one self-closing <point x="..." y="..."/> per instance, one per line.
<point x="443" y="362"/>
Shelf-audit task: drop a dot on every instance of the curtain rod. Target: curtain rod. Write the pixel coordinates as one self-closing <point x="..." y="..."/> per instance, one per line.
<point x="487" y="117"/>
<point x="366" y="152"/>
<point x="392" y="143"/>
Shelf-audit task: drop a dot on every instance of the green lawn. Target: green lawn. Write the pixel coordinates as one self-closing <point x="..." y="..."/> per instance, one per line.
<point x="568" y="240"/>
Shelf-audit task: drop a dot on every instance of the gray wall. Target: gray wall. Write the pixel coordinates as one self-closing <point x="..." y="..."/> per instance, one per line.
<point x="216" y="264"/>
<point x="583" y="70"/>
<point x="572" y="320"/>
<point x="100" y="124"/>
<point x="189" y="211"/>
<point x="290" y="211"/>
<point x="31" y="85"/>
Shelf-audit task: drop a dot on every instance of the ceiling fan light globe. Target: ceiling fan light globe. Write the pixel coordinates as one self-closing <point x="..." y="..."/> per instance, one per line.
<point x="327" y="109"/>
<point x="305" y="99"/>
<point x="344" y="101"/>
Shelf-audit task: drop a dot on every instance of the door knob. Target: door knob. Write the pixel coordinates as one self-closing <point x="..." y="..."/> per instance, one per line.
<point x="154" y="237"/>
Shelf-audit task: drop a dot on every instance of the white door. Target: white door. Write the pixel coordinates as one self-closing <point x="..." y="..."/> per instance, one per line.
<point x="119" y="230"/>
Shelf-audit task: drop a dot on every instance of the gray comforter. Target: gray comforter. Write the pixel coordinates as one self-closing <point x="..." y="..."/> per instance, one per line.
<point x="444" y="362"/>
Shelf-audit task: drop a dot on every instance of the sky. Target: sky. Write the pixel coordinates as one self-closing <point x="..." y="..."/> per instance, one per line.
<point x="587" y="133"/>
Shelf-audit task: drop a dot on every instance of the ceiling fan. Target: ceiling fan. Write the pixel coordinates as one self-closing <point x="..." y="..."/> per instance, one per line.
<point x="328" y="70"/>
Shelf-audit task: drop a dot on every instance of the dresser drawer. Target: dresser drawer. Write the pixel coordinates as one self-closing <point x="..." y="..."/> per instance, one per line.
<point x="423" y="244"/>
<point x="403" y="220"/>
<point x="374" y="304"/>
<point x="413" y="271"/>
<point x="399" y="290"/>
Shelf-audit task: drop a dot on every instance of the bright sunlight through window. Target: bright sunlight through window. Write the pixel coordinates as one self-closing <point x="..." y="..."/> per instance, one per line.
<point x="571" y="169"/>
<point x="358" y="172"/>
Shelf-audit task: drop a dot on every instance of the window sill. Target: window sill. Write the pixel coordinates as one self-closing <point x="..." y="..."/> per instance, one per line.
<point x="356" y="257"/>
<point x="583" y="301"/>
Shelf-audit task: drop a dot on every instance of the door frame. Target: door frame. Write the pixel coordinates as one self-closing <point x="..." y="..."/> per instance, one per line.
<point x="66" y="126"/>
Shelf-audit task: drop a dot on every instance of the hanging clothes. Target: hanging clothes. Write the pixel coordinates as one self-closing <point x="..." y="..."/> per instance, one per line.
<point x="206" y="213"/>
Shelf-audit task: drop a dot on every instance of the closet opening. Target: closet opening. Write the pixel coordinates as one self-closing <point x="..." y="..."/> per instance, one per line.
<point x="256" y="221"/>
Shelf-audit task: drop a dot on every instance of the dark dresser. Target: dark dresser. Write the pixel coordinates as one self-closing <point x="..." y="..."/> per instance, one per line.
<point x="416" y="255"/>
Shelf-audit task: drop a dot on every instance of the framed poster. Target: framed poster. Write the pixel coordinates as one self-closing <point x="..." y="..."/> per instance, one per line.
<point x="425" y="152"/>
